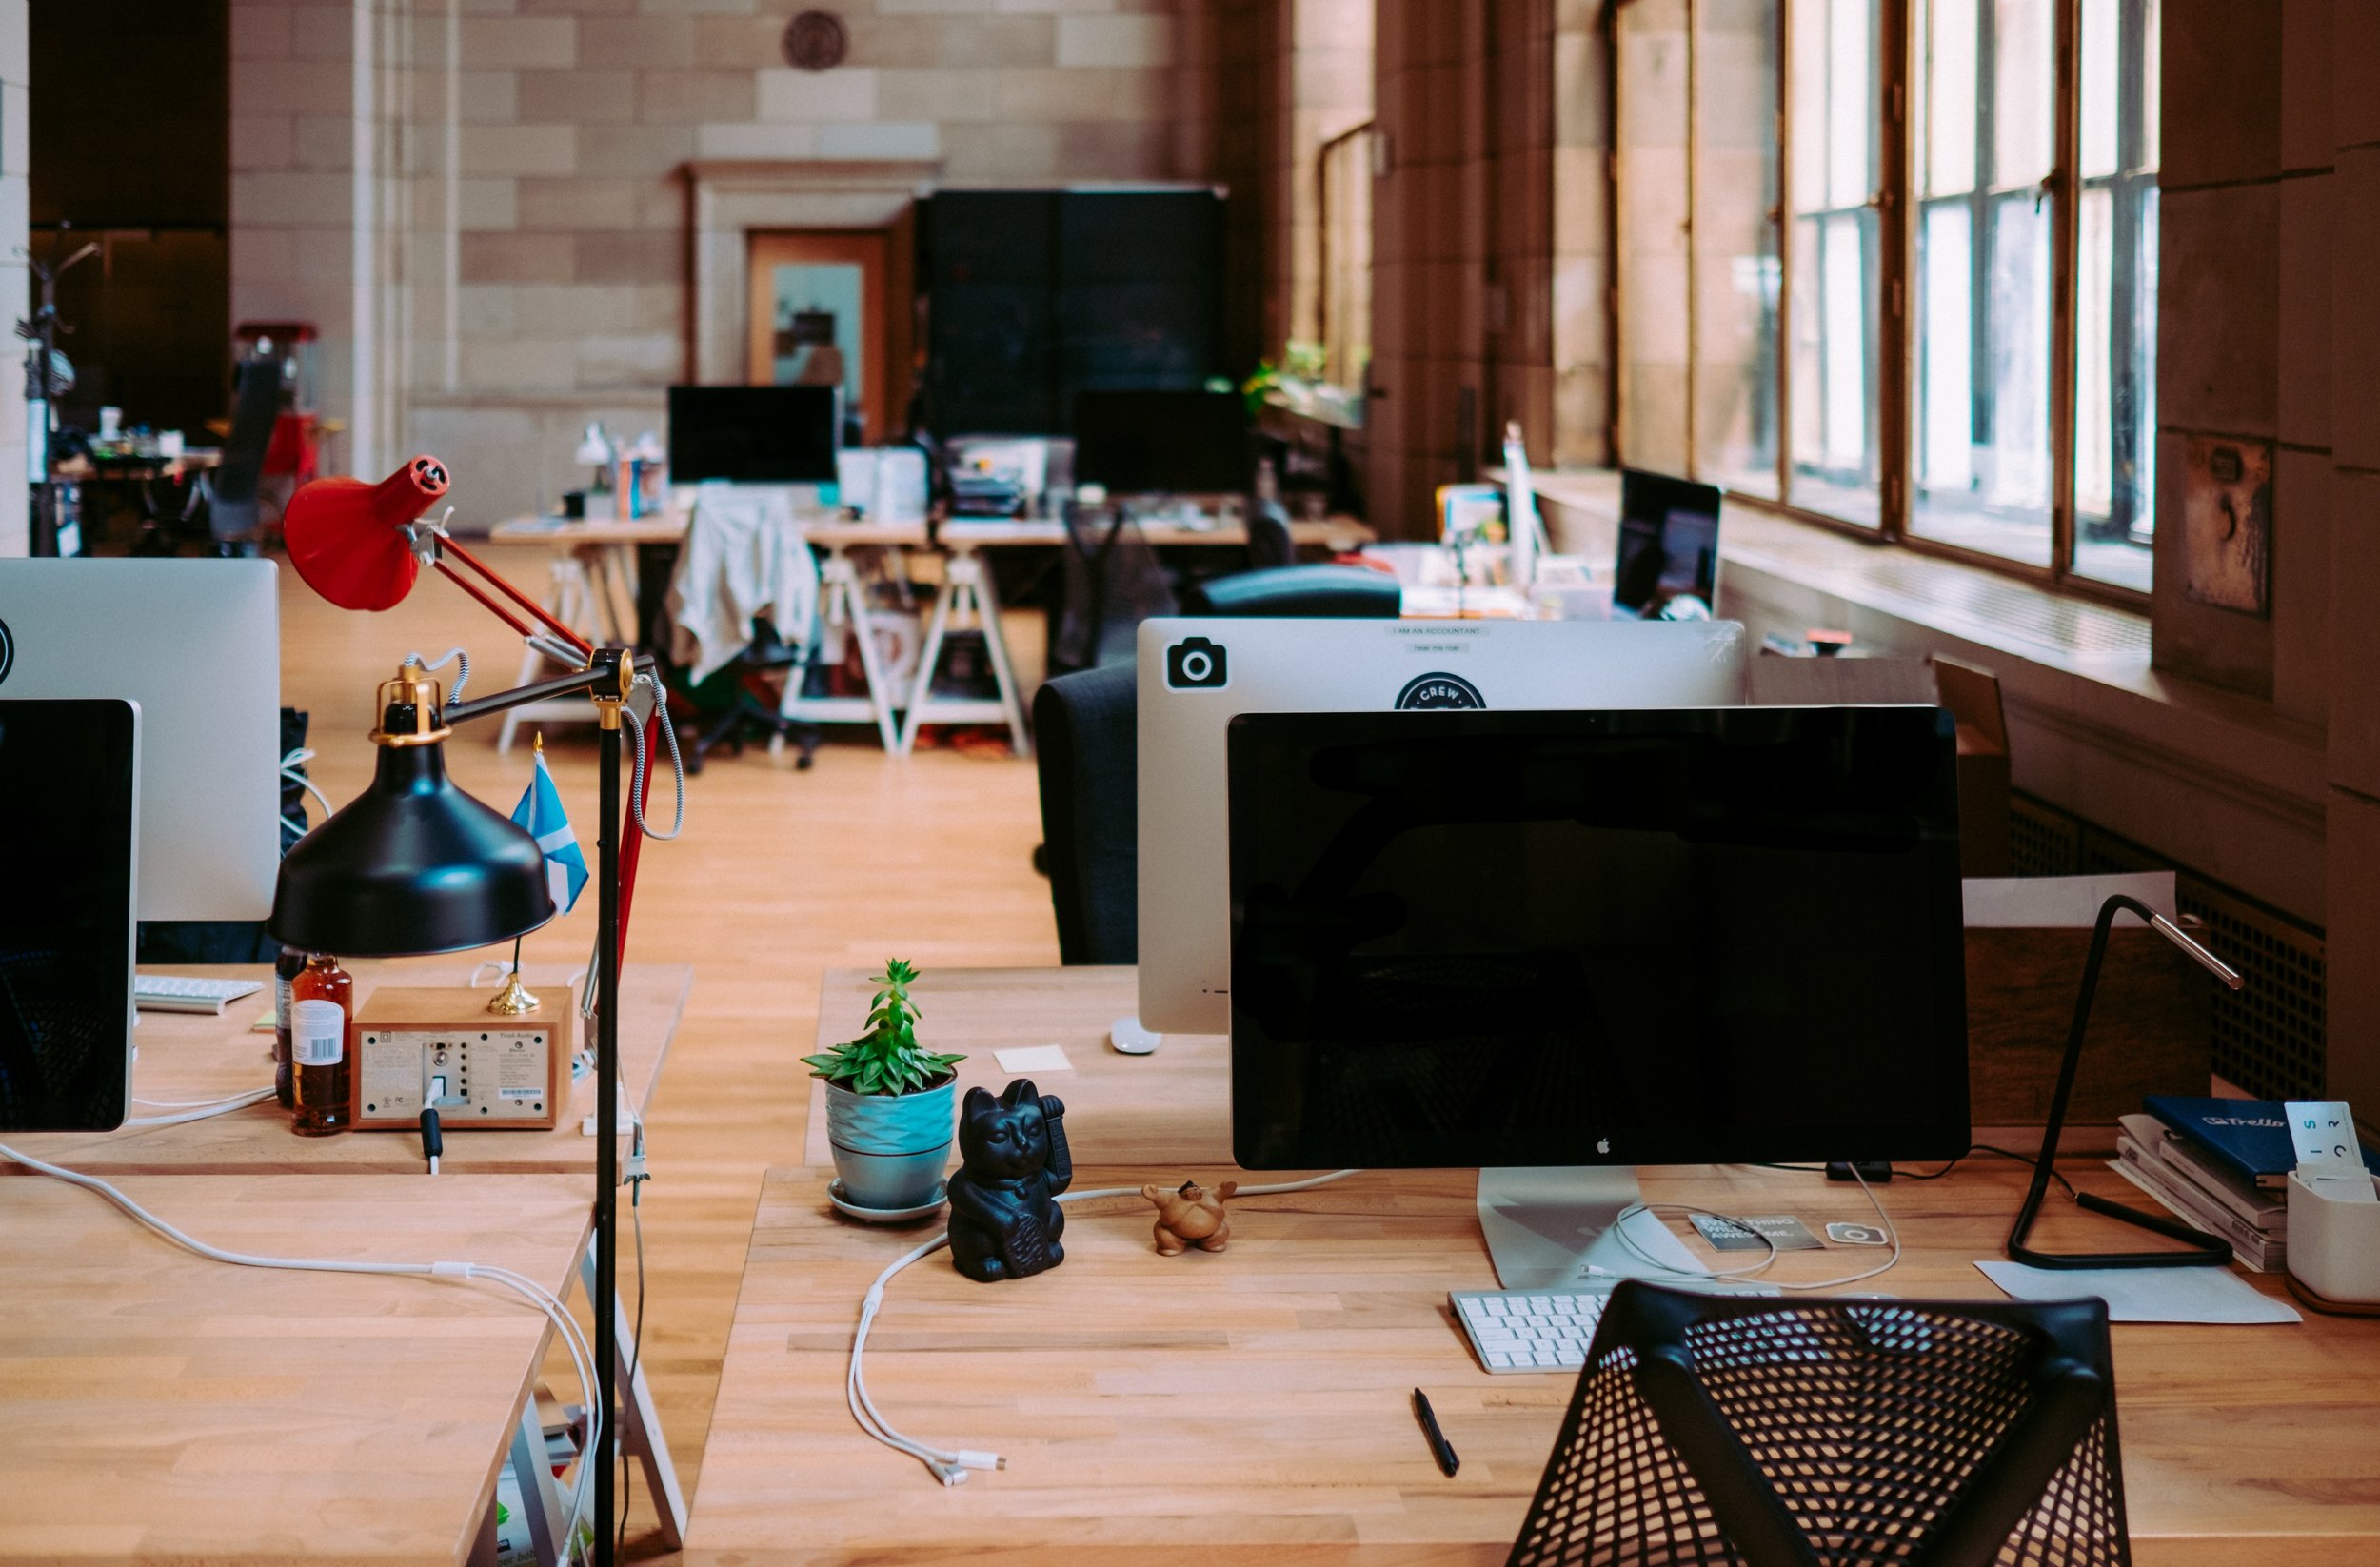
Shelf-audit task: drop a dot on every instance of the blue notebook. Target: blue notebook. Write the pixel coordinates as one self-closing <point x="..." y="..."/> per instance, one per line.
<point x="2247" y="1138"/>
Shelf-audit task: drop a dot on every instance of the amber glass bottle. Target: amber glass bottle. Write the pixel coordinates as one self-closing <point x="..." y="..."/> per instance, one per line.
<point x="322" y="1004"/>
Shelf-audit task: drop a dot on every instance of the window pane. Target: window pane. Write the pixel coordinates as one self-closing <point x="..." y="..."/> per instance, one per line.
<point x="1981" y="411"/>
<point x="1833" y="418"/>
<point x="1945" y="345"/>
<point x="2117" y="298"/>
<point x="1735" y="261"/>
<point x="2024" y="92"/>
<point x="1947" y="100"/>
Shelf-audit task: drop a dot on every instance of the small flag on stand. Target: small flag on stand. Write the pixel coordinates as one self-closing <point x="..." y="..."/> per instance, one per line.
<point x="540" y="812"/>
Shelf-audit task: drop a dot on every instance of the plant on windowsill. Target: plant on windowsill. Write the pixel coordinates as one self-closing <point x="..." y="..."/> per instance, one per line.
<point x="891" y="1105"/>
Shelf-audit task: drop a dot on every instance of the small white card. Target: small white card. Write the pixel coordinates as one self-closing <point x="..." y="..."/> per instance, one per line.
<point x="2330" y="1156"/>
<point x="1034" y="1058"/>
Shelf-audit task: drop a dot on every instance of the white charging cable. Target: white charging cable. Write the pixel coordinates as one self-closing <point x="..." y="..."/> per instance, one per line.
<point x="1890" y="1233"/>
<point x="581" y="1355"/>
<point x="948" y="1465"/>
<point x="188" y="1110"/>
<point x="463" y="671"/>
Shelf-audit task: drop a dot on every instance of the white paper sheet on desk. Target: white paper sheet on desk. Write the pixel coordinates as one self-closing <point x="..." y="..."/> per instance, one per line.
<point x="2145" y="1295"/>
<point x="1034" y="1058"/>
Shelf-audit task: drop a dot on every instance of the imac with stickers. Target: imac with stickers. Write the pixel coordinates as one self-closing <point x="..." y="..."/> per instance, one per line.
<point x="1197" y="675"/>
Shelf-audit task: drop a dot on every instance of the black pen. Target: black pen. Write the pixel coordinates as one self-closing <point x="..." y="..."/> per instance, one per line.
<point x="1440" y="1448"/>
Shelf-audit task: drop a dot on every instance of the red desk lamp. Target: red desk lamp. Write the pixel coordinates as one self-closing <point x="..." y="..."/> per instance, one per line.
<point x="416" y="865"/>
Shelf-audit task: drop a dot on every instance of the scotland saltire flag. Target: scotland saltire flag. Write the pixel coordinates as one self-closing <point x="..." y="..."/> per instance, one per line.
<point x="540" y="811"/>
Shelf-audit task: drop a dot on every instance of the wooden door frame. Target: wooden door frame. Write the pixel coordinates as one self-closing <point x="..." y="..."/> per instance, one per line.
<point x="887" y="304"/>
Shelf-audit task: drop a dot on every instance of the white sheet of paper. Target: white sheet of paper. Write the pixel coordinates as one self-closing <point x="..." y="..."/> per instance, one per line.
<point x="2061" y="901"/>
<point x="1034" y="1058"/>
<point x="2145" y="1295"/>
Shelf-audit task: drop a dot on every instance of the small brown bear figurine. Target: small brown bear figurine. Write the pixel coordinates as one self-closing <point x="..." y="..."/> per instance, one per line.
<point x="1191" y="1215"/>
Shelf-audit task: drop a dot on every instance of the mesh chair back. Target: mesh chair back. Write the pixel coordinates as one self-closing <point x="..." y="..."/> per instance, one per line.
<point x="1717" y="1429"/>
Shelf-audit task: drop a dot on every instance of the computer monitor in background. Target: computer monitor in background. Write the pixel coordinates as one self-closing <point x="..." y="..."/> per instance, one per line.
<point x="70" y="794"/>
<point x="197" y="645"/>
<point x="1528" y="941"/>
<point x="754" y="435"/>
<point x="1162" y="443"/>
<point x="1196" y="674"/>
<point x="1669" y="545"/>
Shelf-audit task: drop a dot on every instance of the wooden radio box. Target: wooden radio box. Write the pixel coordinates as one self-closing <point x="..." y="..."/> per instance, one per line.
<point x="501" y="1073"/>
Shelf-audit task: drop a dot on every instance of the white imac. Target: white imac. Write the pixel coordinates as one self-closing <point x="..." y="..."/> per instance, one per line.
<point x="1196" y="675"/>
<point x="197" y="645"/>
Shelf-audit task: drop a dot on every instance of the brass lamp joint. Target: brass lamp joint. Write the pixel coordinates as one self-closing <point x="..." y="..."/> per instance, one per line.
<point x="415" y="687"/>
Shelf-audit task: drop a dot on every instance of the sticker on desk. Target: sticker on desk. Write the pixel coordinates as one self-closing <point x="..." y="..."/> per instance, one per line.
<point x="1783" y="1231"/>
<point x="1034" y="1058"/>
<point x="1856" y="1235"/>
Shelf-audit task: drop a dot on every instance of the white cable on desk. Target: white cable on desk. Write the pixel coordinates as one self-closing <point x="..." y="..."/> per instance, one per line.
<point x="1891" y="1234"/>
<point x="186" y="1110"/>
<point x="949" y="1466"/>
<point x="581" y="1355"/>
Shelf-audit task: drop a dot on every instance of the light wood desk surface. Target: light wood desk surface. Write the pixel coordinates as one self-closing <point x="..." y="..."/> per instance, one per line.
<point x="156" y="1406"/>
<point x="1253" y="1406"/>
<point x="1120" y="1109"/>
<point x="186" y="1056"/>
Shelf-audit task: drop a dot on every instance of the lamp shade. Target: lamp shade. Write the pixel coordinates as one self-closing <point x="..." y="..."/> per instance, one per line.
<point x="412" y="866"/>
<point x="347" y="538"/>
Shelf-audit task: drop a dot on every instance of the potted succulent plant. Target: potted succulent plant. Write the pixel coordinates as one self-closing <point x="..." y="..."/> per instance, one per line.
<point x="891" y="1103"/>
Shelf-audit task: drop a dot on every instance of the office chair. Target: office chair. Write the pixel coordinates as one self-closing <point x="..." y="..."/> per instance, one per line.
<point x="727" y="711"/>
<point x="1311" y="592"/>
<point x="1742" y="1429"/>
<point x="233" y="519"/>
<point x="1113" y="581"/>
<point x="1270" y="543"/>
<point x="1086" y="744"/>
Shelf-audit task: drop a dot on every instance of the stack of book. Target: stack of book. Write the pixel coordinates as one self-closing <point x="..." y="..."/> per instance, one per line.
<point x="2219" y="1165"/>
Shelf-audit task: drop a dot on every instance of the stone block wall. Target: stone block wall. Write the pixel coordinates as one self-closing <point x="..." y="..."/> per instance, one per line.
<point x="524" y="253"/>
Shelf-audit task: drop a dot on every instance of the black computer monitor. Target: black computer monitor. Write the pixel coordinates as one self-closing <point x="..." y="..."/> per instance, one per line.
<point x="1583" y="939"/>
<point x="1669" y="544"/>
<point x="1162" y="443"/>
<point x="753" y="435"/>
<point x="69" y="773"/>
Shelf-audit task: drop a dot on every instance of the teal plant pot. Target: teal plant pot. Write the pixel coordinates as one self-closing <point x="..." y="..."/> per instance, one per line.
<point x="891" y="1150"/>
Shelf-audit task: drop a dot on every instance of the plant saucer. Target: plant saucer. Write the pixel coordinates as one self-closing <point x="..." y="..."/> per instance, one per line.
<point x="842" y="1202"/>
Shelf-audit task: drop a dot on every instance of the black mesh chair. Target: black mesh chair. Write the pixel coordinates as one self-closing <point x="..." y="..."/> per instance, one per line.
<point x="232" y="516"/>
<point x="1736" y="1429"/>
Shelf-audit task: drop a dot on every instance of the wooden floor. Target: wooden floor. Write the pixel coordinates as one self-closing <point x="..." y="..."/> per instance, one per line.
<point x="779" y="874"/>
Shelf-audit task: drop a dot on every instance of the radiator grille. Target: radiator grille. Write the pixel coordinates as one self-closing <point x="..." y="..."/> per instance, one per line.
<point x="2267" y="1036"/>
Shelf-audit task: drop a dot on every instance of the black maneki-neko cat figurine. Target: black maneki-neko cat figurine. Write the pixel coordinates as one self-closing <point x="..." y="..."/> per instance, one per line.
<point x="1004" y="1218"/>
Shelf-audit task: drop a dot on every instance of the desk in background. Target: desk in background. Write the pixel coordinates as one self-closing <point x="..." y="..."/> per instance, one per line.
<point x="1252" y="1406"/>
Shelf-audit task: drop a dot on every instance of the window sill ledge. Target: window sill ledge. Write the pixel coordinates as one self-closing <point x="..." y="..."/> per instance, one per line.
<point x="2219" y="782"/>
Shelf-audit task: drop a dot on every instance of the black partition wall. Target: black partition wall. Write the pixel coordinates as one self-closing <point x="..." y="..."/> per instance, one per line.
<point x="1032" y="296"/>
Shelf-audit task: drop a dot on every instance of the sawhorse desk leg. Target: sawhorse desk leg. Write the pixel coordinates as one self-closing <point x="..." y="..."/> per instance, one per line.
<point x="966" y="589"/>
<point x="843" y="602"/>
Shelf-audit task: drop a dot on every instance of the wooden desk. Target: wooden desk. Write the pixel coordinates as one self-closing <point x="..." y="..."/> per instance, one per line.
<point x="1174" y="1105"/>
<point x="1334" y="533"/>
<point x="185" y="1056"/>
<point x="1253" y="1406"/>
<point x="156" y="1406"/>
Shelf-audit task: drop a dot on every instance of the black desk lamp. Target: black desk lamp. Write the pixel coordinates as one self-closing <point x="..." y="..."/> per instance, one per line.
<point x="414" y="866"/>
<point x="2200" y="1250"/>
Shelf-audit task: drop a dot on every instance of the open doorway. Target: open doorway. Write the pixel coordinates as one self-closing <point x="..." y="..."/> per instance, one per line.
<point x="831" y="307"/>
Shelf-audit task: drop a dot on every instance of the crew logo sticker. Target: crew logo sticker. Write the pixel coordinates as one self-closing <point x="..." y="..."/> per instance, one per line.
<point x="1440" y="692"/>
